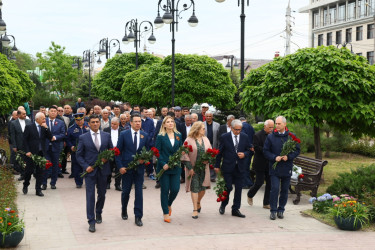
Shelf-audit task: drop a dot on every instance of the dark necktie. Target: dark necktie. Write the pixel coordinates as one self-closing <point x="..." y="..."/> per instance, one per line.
<point x="135" y="141"/>
<point x="40" y="136"/>
<point x="235" y="143"/>
<point x="50" y="127"/>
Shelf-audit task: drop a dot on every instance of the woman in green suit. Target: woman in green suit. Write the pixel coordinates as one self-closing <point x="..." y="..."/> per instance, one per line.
<point x="168" y="142"/>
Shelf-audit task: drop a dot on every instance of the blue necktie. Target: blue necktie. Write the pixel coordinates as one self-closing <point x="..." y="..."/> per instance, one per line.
<point x="135" y="141"/>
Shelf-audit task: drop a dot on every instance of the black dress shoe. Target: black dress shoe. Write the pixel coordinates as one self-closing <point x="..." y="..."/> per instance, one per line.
<point x="79" y="186"/>
<point x="39" y="193"/>
<point x="60" y="175"/>
<point x="108" y="186"/>
<point x="182" y="181"/>
<point x="138" y="221"/>
<point x="157" y="185"/>
<point x="92" y="228"/>
<point x="273" y="216"/>
<point x="24" y="190"/>
<point x="71" y="176"/>
<point x="53" y="187"/>
<point x="124" y="215"/>
<point x="213" y="180"/>
<point x="118" y="188"/>
<point x="222" y="210"/>
<point x="238" y="213"/>
<point x="99" y="218"/>
<point x="280" y="215"/>
<point x="65" y="172"/>
<point x="21" y="178"/>
<point x="246" y="187"/>
<point x="44" y="187"/>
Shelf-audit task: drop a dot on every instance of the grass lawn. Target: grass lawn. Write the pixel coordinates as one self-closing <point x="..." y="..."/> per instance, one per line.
<point x="340" y="163"/>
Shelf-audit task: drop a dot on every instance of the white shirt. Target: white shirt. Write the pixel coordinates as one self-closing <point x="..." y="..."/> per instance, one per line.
<point x="23" y="124"/>
<point x="229" y="129"/>
<point x="38" y="127"/>
<point x="172" y="141"/>
<point x="187" y="129"/>
<point x="138" y="136"/>
<point x="114" y="137"/>
<point x="104" y="124"/>
<point x="93" y="137"/>
<point x="234" y="140"/>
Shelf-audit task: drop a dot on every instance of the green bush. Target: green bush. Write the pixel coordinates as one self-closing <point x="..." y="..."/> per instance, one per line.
<point x="361" y="147"/>
<point x="44" y="98"/>
<point x="322" y="206"/>
<point x="355" y="182"/>
<point x="8" y="190"/>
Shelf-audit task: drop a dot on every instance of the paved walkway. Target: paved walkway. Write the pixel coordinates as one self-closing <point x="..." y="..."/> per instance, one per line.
<point x="58" y="221"/>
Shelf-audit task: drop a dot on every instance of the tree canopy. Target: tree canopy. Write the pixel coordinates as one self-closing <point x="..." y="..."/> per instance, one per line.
<point x="25" y="61"/>
<point x="315" y="86"/>
<point x="58" y="73"/>
<point x="197" y="79"/>
<point x="16" y="86"/>
<point x="107" y="84"/>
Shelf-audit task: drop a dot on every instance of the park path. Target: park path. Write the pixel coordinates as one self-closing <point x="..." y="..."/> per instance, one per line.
<point x="58" y="221"/>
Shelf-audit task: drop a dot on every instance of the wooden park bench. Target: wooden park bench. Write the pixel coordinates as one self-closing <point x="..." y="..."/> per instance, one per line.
<point x="312" y="170"/>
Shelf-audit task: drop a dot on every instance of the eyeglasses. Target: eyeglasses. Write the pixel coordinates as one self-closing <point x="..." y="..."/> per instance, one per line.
<point x="239" y="129"/>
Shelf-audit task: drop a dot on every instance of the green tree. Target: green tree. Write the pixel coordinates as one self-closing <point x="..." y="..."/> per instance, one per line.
<point x="315" y="86"/>
<point x="59" y="73"/>
<point x="107" y="84"/>
<point x="198" y="79"/>
<point x="25" y="61"/>
<point x="16" y="86"/>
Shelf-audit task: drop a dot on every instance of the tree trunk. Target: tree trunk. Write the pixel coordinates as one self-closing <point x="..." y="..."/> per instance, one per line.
<point x="318" y="149"/>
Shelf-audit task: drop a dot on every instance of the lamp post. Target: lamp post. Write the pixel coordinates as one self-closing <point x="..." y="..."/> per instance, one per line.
<point x="76" y="63"/>
<point x="87" y="61"/>
<point x="230" y="65"/>
<point x="5" y="40"/>
<point x="344" y="46"/>
<point x="243" y="16"/>
<point x="171" y="16"/>
<point x="105" y="47"/>
<point x="135" y="34"/>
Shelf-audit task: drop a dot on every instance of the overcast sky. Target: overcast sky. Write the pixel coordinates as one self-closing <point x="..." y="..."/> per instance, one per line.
<point x="80" y="24"/>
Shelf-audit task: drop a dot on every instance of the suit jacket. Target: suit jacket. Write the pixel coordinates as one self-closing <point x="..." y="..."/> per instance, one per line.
<point x="148" y="127"/>
<point x="158" y="126"/>
<point x="9" y="124"/>
<point x="260" y="163"/>
<point x="109" y="130"/>
<point x="16" y="134"/>
<point x="183" y="131"/>
<point x="215" y="130"/>
<point x="126" y="146"/>
<point x="222" y="130"/>
<point x="57" y="130"/>
<point x="229" y="155"/>
<point x="32" y="139"/>
<point x="163" y="144"/>
<point x="87" y="153"/>
<point x="249" y="130"/>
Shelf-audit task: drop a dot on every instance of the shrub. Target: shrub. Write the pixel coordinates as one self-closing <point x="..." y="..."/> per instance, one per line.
<point x="355" y="182"/>
<point x="362" y="147"/>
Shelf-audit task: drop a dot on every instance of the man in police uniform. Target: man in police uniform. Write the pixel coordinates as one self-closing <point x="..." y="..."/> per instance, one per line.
<point x="80" y="127"/>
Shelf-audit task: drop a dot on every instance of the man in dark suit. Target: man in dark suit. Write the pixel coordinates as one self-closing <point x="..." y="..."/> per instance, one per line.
<point x="280" y="176"/>
<point x="249" y="130"/>
<point x="132" y="141"/>
<point x="90" y="145"/>
<point x="35" y="137"/>
<point x="225" y="128"/>
<point x="211" y="131"/>
<point x="234" y="148"/>
<point x="185" y="129"/>
<point x="260" y="165"/>
<point x="114" y="131"/>
<point x="54" y="146"/>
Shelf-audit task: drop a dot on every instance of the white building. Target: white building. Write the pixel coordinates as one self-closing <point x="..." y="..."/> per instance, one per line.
<point x="335" y="22"/>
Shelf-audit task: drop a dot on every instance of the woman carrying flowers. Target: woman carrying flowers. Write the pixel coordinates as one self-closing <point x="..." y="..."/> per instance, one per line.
<point x="168" y="143"/>
<point x="197" y="172"/>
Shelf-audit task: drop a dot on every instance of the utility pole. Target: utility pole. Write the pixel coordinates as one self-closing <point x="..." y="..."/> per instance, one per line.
<point x="288" y="29"/>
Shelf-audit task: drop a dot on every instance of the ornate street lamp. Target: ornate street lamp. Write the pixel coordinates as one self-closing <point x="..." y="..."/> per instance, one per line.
<point x="76" y="63"/>
<point x="5" y="49"/>
<point x="135" y="34"/>
<point x="105" y="47"/>
<point x="230" y="62"/>
<point x="171" y="16"/>
<point x="87" y="62"/>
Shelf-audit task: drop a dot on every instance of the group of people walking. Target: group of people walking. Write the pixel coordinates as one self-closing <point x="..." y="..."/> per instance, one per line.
<point x="86" y="136"/>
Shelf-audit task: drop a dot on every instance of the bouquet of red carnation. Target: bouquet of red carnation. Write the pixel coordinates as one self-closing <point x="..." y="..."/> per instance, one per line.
<point x="20" y="160"/>
<point x="175" y="159"/>
<point x="208" y="156"/>
<point x="107" y="155"/>
<point x="288" y="147"/>
<point x="39" y="161"/>
<point x="221" y="189"/>
<point x="145" y="155"/>
<point x="49" y="164"/>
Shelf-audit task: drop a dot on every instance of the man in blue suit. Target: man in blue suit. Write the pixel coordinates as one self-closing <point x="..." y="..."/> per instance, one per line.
<point x="234" y="149"/>
<point x="132" y="141"/>
<point x="149" y="128"/>
<point x="54" y="146"/>
<point x="280" y="176"/>
<point x="89" y="146"/>
<point x="249" y="130"/>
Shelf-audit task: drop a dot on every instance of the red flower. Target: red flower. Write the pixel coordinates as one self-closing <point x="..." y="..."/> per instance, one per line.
<point x="223" y="198"/>
<point x="286" y="129"/>
<point x="211" y="166"/>
<point x="55" y="123"/>
<point x="301" y="176"/>
<point x="60" y="166"/>
<point x="218" y="199"/>
<point x="210" y="151"/>
<point x="147" y="163"/>
<point x="49" y="164"/>
<point x="185" y="143"/>
<point x="157" y="155"/>
<point x="190" y="148"/>
<point x="9" y="224"/>
<point x="12" y="211"/>
<point x="275" y="131"/>
<point x="116" y="151"/>
<point x="225" y="193"/>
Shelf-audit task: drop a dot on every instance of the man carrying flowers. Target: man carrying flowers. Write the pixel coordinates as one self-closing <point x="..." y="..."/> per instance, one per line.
<point x="280" y="149"/>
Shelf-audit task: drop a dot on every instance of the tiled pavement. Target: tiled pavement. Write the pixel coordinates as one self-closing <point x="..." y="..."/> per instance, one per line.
<point x="58" y="221"/>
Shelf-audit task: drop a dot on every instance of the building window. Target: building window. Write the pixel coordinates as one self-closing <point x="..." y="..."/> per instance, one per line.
<point x="348" y="35"/>
<point x="359" y="33"/>
<point x="329" y="38"/>
<point x="316" y="19"/>
<point x="370" y="7"/>
<point x="325" y="17"/>
<point x="332" y="15"/>
<point x="351" y="10"/>
<point x="338" y="37"/>
<point x="361" y="8"/>
<point x="320" y="40"/>
<point x="370" y="57"/>
<point x="342" y="12"/>
<point x="370" y="31"/>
